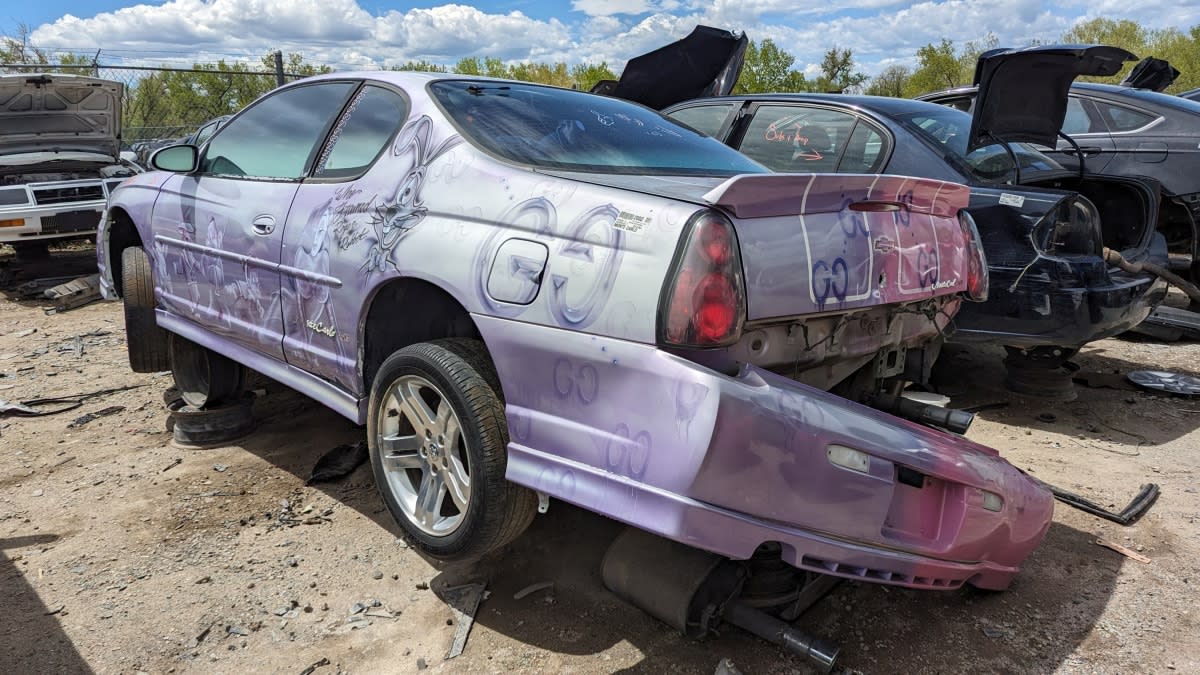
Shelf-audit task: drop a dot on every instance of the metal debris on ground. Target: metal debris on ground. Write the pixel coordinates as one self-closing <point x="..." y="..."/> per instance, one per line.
<point x="1161" y="380"/>
<point x="174" y="463"/>
<point x="1140" y="504"/>
<point x="74" y="293"/>
<point x="32" y="408"/>
<point x="532" y="588"/>
<point x="103" y="412"/>
<point x="1170" y="324"/>
<point x="1128" y="553"/>
<point x="339" y="461"/>
<point x="463" y="601"/>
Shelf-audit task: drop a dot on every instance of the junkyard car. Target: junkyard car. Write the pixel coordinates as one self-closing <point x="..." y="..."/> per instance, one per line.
<point x="1043" y="226"/>
<point x="521" y="289"/>
<point x="1127" y="131"/>
<point x="59" y="156"/>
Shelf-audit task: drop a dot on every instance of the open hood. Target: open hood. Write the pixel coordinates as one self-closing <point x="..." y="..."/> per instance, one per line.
<point x="1151" y="73"/>
<point x="67" y="113"/>
<point x="1023" y="92"/>
<point x="705" y="63"/>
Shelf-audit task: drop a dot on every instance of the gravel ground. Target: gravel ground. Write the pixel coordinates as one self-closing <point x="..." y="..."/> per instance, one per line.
<point x="122" y="553"/>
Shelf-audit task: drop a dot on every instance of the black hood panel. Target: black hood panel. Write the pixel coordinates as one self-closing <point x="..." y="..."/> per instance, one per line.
<point x="1023" y="92"/>
<point x="705" y="63"/>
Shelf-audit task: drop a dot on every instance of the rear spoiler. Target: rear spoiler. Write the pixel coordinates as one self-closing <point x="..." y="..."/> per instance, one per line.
<point x="782" y="194"/>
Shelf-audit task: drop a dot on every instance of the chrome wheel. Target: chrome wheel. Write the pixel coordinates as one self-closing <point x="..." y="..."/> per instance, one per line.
<point x="424" y="455"/>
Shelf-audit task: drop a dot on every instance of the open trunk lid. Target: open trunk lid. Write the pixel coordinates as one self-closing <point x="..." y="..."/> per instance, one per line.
<point x="823" y="243"/>
<point x="1023" y="92"/>
<point x="705" y="63"/>
<point x="59" y="113"/>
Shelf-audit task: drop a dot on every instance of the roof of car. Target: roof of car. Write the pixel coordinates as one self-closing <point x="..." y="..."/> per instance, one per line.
<point x="1142" y="95"/>
<point x="886" y="105"/>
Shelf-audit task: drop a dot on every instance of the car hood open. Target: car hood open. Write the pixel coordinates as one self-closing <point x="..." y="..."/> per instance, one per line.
<point x="1023" y="92"/>
<point x="705" y="63"/>
<point x="65" y="113"/>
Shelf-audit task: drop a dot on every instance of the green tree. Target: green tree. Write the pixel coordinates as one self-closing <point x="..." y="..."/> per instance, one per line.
<point x="891" y="81"/>
<point x="768" y="68"/>
<point x="468" y="65"/>
<point x="420" y="67"/>
<point x="837" y="72"/>
<point x="938" y="67"/>
<point x="586" y="75"/>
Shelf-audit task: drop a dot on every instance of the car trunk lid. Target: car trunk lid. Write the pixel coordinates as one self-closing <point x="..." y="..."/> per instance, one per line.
<point x="830" y="243"/>
<point x="705" y="63"/>
<point x="59" y="113"/>
<point x="1023" y="92"/>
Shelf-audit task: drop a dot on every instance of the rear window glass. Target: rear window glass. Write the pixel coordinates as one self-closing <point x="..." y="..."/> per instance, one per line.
<point x="706" y="119"/>
<point x="564" y="129"/>
<point x="1120" y="118"/>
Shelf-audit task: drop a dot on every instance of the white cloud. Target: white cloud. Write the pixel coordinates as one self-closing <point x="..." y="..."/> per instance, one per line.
<point x="343" y="33"/>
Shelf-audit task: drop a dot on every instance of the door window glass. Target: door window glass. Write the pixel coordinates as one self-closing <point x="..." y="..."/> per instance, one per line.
<point x="864" y="151"/>
<point x="707" y="119"/>
<point x="1077" y="120"/>
<point x="276" y="137"/>
<point x="797" y="139"/>
<point x="369" y="123"/>
<point x="1120" y="118"/>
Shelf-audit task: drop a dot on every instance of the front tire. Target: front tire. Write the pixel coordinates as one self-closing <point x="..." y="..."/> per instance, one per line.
<point x="438" y="445"/>
<point x="144" y="340"/>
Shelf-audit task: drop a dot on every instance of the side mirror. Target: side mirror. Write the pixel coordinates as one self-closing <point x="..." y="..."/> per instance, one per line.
<point x="176" y="158"/>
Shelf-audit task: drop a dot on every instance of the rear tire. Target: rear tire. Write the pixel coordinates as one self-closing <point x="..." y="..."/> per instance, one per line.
<point x="205" y="379"/>
<point x="144" y="340"/>
<point x="439" y="450"/>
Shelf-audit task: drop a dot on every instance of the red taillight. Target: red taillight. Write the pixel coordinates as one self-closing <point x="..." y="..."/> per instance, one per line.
<point x="704" y="303"/>
<point x="977" y="271"/>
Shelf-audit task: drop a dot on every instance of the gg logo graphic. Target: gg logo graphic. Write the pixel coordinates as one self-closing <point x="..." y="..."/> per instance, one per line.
<point x="583" y="381"/>
<point x="628" y="454"/>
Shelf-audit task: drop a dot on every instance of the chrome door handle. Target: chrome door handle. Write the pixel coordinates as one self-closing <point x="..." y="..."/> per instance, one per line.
<point x="263" y="225"/>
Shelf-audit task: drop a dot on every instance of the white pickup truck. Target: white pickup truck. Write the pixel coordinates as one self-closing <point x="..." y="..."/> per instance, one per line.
<point x="60" y="139"/>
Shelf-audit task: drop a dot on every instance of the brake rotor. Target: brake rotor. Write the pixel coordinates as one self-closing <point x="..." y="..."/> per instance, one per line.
<point x="1161" y="380"/>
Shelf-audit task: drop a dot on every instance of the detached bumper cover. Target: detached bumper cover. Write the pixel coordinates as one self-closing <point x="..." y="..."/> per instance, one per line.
<point x="726" y="463"/>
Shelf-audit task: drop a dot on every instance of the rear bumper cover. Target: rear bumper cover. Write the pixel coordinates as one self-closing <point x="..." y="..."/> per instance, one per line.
<point x="727" y="463"/>
<point x="1061" y="302"/>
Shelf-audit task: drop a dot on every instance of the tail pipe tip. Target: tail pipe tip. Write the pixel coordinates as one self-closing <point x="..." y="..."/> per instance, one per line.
<point x="821" y="654"/>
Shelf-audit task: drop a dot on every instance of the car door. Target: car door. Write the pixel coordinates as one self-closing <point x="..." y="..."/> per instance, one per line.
<point x="218" y="232"/>
<point x="1131" y="130"/>
<point x="713" y="119"/>
<point x="798" y="138"/>
<point x="326" y="240"/>
<point x="1086" y="127"/>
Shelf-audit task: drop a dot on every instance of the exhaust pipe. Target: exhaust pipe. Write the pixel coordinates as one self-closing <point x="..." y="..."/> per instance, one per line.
<point x="693" y="591"/>
<point x="957" y="421"/>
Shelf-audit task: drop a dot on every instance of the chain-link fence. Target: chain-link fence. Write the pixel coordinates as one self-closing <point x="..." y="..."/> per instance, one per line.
<point x="161" y="105"/>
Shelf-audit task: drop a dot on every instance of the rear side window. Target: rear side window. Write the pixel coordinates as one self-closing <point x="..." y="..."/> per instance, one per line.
<point x="1120" y="118"/>
<point x="556" y="128"/>
<point x="371" y="120"/>
<point x="708" y="119"/>
<point x="276" y="137"/>
<point x="798" y="139"/>
<point x="864" y="151"/>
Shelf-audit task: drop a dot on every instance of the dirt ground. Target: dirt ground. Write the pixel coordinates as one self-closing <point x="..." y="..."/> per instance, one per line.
<point x="121" y="553"/>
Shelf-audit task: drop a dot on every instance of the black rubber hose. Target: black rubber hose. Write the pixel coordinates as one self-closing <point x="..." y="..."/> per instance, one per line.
<point x="1116" y="259"/>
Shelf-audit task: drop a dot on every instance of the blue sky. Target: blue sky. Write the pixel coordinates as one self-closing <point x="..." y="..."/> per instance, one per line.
<point x="371" y="33"/>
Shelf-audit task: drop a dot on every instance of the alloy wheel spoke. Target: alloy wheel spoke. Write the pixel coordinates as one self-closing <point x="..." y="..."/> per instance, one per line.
<point x="415" y="408"/>
<point x="458" y="484"/>
<point x="429" y="498"/>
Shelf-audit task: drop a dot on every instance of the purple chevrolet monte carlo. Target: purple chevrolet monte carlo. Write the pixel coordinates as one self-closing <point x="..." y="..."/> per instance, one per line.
<point x="529" y="292"/>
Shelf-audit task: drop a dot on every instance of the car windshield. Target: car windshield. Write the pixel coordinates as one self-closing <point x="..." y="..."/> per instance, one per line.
<point x="947" y="129"/>
<point x="564" y="129"/>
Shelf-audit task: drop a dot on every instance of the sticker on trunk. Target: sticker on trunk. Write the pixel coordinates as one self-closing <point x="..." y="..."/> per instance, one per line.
<point x="630" y="222"/>
<point x="1007" y="199"/>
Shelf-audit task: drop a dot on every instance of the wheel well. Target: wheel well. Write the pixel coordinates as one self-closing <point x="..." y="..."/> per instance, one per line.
<point x="122" y="234"/>
<point x="407" y="311"/>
